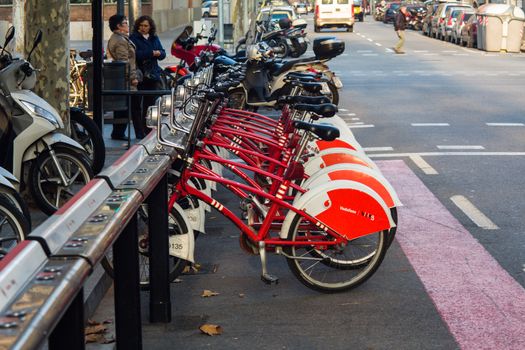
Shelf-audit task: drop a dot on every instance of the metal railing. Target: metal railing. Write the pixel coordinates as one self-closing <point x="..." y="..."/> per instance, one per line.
<point x="41" y="279"/>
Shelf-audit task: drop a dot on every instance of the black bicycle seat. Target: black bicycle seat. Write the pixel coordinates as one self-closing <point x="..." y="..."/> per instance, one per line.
<point x="323" y="131"/>
<point x="86" y="54"/>
<point x="325" y="110"/>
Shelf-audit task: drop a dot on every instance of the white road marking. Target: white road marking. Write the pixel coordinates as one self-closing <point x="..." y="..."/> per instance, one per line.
<point x="430" y="124"/>
<point x="354" y="118"/>
<point x="378" y="44"/>
<point x="473" y="213"/>
<point x="377" y="149"/>
<point x="423" y="165"/>
<point x="420" y="51"/>
<point x="449" y="51"/>
<point x="370" y="54"/>
<point x="364" y="51"/>
<point x="343" y="110"/>
<point x="505" y="124"/>
<point x="361" y="126"/>
<point x="459" y="147"/>
<point x="430" y="54"/>
<point x="348" y="114"/>
<point x="369" y="39"/>
<point x="460" y="54"/>
<point x="355" y="123"/>
<point x="427" y="154"/>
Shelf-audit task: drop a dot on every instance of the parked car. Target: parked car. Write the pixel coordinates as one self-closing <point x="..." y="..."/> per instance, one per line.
<point x="427" y="21"/>
<point x="277" y="12"/>
<point x="469" y="32"/>
<point x="301" y="9"/>
<point x="334" y="13"/>
<point x="210" y="9"/>
<point x="445" y="28"/>
<point x="438" y="20"/>
<point x="461" y="19"/>
<point x="359" y="11"/>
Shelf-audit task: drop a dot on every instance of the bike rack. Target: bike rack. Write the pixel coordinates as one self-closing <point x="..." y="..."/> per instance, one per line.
<point x="41" y="279"/>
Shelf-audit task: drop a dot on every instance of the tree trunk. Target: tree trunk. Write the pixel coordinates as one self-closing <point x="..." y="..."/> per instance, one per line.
<point x="51" y="56"/>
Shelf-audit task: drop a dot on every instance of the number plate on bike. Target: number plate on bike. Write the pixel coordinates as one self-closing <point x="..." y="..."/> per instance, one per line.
<point x="180" y="246"/>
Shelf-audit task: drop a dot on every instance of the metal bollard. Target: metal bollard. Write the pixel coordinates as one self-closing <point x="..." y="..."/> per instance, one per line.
<point x="128" y="325"/>
<point x="69" y="332"/>
<point x="160" y="303"/>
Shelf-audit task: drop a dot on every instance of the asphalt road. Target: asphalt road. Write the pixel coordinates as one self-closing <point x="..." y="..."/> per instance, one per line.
<point x="447" y="282"/>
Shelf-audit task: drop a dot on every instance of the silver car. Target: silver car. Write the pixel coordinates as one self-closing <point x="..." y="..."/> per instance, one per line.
<point x="461" y="20"/>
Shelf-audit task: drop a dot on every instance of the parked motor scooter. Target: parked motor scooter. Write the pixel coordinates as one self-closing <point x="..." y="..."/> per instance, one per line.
<point x="52" y="165"/>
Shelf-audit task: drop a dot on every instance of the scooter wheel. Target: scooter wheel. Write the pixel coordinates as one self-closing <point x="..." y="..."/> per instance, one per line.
<point x="85" y="131"/>
<point x="46" y="184"/>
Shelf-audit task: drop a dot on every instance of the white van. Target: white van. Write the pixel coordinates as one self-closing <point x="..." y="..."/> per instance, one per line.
<point x="334" y="13"/>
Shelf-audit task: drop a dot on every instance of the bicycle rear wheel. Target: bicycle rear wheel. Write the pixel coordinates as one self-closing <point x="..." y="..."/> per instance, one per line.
<point x="336" y="268"/>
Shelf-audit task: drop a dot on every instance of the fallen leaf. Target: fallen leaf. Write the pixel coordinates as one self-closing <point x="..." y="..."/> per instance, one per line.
<point x="99" y="338"/>
<point x="211" y="329"/>
<point x="92" y="323"/>
<point x="208" y="293"/>
<point x="241" y="295"/>
<point x="96" y="329"/>
<point x="108" y="321"/>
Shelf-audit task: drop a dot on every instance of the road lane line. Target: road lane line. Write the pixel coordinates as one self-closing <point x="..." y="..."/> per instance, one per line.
<point x="481" y="304"/>
<point x="430" y="124"/>
<point x="343" y="110"/>
<point x="423" y="165"/>
<point x="505" y="124"/>
<point x="378" y="44"/>
<point x="369" y="39"/>
<point x="348" y="114"/>
<point x="473" y="213"/>
<point x="364" y="51"/>
<point x="420" y="51"/>
<point x="427" y="154"/>
<point x="369" y="54"/>
<point x="361" y="126"/>
<point x="377" y="149"/>
<point x="459" y="147"/>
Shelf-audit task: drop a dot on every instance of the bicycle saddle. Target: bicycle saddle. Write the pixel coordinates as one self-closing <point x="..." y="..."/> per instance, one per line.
<point x="310" y="100"/>
<point x="86" y="54"/>
<point x="325" y="110"/>
<point x="323" y="131"/>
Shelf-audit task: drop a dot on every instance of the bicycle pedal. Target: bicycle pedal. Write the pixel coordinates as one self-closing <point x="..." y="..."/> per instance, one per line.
<point x="269" y="279"/>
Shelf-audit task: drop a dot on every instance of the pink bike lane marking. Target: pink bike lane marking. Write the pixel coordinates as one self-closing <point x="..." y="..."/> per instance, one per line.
<point x="482" y="305"/>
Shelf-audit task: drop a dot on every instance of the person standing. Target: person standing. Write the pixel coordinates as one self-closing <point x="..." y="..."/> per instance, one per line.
<point x="400" y="24"/>
<point x="121" y="48"/>
<point x="148" y="52"/>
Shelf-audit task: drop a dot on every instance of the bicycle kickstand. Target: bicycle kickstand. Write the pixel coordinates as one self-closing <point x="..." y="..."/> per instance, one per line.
<point x="266" y="277"/>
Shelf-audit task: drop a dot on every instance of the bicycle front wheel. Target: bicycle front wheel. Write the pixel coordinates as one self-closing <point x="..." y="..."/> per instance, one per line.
<point x="333" y="268"/>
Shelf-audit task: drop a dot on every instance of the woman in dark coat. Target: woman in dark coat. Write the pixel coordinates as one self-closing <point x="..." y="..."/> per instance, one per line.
<point x="148" y="52"/>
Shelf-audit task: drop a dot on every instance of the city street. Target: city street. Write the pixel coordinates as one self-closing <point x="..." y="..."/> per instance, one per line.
<point x="445" y="124"/>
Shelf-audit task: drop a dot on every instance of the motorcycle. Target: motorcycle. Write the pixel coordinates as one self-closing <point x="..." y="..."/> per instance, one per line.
<point x="52" y="165"/>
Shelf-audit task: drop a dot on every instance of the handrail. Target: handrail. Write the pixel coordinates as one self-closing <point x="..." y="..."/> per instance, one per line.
<point x="41" y="280"/>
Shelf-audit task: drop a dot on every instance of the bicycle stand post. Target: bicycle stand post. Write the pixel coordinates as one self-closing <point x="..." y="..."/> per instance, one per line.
<point x="128" y="325"/>
<point x="160" y="303"/>
<point x="69" y="332"/>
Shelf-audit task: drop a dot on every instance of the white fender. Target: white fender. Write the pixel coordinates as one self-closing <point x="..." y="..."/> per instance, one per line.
<point x="355" y="172"/>
<point x="348" y="207"/>
<point x="333" y="156"/>
<point x="183" y="246"/>
<point x="206" y="190"/>
<point x="51" y="139"/>
<point x="196" y="215"/>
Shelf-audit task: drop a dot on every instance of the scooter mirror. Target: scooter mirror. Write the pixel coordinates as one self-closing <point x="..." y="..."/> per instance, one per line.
<point x="38" y="39"/>
<point x="9" y="35"/>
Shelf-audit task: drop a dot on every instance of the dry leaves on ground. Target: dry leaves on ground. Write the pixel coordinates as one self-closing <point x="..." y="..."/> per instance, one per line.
<point x="211" y="329"/>
<point x="95" y="333"/>
<point x="208" y="293"/>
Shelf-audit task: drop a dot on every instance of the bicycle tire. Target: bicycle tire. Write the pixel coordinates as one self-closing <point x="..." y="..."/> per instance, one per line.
<point x="177" y="265"/>
<point x="89" y="136"/>
<point x="13" y="223"/>
<point x="329" y="276"/>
